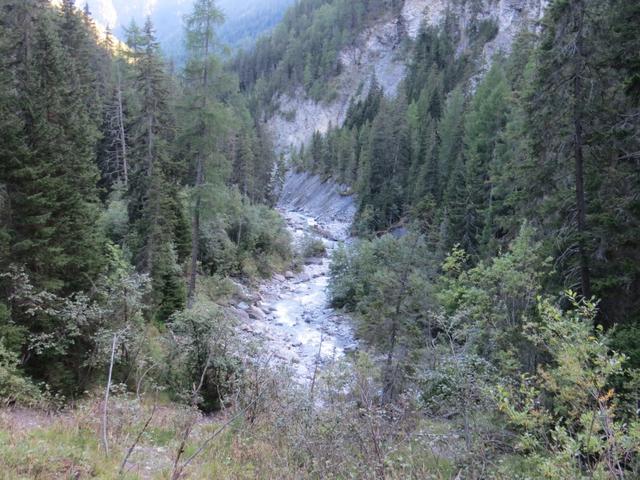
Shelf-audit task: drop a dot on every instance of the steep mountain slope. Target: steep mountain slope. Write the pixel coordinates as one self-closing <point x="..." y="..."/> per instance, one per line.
<point x="380" y="50"/>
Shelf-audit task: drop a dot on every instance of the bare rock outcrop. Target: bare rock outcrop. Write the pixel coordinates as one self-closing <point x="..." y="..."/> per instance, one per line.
<point x="378" y="52"/>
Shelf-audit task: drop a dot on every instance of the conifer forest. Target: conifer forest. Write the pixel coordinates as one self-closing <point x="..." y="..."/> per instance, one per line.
<point x="320" y="239"/>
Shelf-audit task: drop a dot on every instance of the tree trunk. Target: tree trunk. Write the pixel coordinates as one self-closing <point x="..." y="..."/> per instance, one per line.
<point x="195" y="236"/>
<point x="121" y="132"/>
<point x="195" y="224"/>
<point x="581" y="207"/>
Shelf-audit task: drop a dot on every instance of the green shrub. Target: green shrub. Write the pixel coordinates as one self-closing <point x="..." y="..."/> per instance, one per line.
<point x="201" y="365"/>
<point x="243" y="239"/>
<point x="582" y="430"/>
<point x="14" y="387"/>
<point x="312" y="247"/>
<point x="114" y="220"/>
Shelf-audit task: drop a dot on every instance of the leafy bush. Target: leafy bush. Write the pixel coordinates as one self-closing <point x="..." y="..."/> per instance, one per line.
<point x="244" y="239"/>
<point x="13" y="335"/>
<point x="14" y="387"/>
<point x="114" y="220"/>
<point x="570" y="421"/>
<point x="312" y="247"/>
<point x="201" y="366"/>
<point x="496" y="297"/>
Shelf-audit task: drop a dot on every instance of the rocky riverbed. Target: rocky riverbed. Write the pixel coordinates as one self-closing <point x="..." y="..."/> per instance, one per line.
<point x="293" y="319"/>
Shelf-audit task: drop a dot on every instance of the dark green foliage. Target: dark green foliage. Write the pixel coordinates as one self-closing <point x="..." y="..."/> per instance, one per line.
<point x="450" y="131"/>
<point x="624" y="46"/>
<point x="14" y="387"/>
<point x="49" y="172"/>
<point x="243" y="239"/>
<point x="386" y="160"/>
<point x="201" y="364"/>
<point x="484" y="121"/>
<point x="313" y="247"/>
<point x="97" y="158"/>
<point x="583" y="179"/>
<point x="121" y="183"/>
<point x="153" y="189"/>
<point x="523" y="140"/>
<point x="364" y="111"/>
<point x="390" y="151"/>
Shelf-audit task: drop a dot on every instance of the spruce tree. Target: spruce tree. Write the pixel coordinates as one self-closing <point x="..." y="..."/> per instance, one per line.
<point x="450" y="132"/>
<point x="49" y="177"/>
<point x="53" y="184"/>
<point x="561" y="111"/>
<point x="154" y="175"/>
<point x="483" y="123"/>
<point x="388" y="155"/>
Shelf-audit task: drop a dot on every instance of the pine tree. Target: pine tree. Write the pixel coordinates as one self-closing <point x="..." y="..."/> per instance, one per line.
<point x="623" y="45"/>
<point x="515" y="196"/>
<point x="90" y="66"/>
<point x="134" y="41"/>
<point x="244" y="174"/>
<point x="153" y="180"/>
<point x="388" y="155"/>
<point x="483" y="123"/>
<point x="450" y="132"/>
<point x="316" y="153"/>
<point x="560" y="116"/>
<point x="49" y="176"/>
<point x="53" y="185"/>
<point x="346" y="156"/>
<point x="205" y="116"/>
<point x="265" y="165"/>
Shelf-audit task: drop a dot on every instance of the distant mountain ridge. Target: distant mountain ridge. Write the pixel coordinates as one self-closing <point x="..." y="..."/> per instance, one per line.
<point x="245" y="20"/>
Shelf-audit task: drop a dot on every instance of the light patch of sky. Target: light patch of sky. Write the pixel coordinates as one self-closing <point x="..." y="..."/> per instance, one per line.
<point x="103" y="11"/>
<point x="116" y="13"/>
<point x="149" y="6"/>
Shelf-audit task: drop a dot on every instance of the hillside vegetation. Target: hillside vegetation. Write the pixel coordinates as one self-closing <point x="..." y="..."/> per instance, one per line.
<point x="119" y="181"/>
<point x="493" y="281"/>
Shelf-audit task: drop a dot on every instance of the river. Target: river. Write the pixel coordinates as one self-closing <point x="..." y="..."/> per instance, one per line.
<point x="293" y="320"/>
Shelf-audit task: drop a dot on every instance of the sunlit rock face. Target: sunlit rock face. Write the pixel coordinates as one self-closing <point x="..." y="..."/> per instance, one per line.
<point x="378" y="52"/>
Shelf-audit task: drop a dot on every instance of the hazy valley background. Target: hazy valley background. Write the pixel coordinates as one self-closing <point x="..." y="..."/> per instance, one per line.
<point x="245" y="20"/>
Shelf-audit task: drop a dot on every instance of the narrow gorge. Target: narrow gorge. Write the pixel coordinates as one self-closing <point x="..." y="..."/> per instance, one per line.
<point x="319" y="239"/>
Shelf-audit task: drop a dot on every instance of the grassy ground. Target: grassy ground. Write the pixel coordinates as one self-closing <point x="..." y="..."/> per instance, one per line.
<point x="67" y="445"/>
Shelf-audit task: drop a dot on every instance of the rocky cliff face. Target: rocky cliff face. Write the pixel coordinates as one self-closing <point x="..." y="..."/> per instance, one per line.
<point x="379" y="51"/>
<point x="325" y="201"/>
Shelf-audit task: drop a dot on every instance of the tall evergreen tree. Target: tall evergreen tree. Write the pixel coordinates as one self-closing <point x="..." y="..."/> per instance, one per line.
<point x="450" y="131"/>
<point x="388" y="155"/>
<point x="204" y="114"/>
<point x="53" y="185"/>
<point x="562" y="109"/>
<point x="483" y="123"/>
<point x="153" y="186"/>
